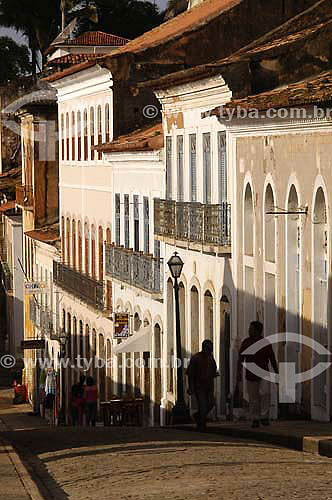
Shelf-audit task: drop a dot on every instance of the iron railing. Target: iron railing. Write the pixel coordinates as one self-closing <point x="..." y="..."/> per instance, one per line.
<point x="85" y="288"/>
<point x="24" y="195"/>
<point x="135" y="268"/>
<point x="43" y="318"/>
<point x="194" y="222"/>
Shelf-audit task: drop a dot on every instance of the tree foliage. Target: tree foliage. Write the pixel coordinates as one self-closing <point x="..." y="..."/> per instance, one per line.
<point x="14" y="60"/>
<point x="40" y="20"/>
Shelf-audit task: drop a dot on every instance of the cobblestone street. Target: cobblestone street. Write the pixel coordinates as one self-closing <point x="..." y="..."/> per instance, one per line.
<point x="131" y="463"/>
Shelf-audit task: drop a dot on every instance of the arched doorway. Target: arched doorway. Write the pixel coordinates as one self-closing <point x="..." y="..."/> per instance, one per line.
<point x="225" y="356"/>
<point x="194" y="308"/>
<point x="157" y="361"/>
<point x="293" y="291"/>
<point x="320" y="399"/>
<point x="208" y="316"/>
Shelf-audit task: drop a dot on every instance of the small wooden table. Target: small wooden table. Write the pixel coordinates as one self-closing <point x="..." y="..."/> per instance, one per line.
<point x="122" y="412"/>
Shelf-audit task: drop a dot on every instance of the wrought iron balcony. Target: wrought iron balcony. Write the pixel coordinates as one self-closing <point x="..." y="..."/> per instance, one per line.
<point x="6" y="276"/>
<point x="206" y="227"/>
<point x="80" y="285"/>
<point x="24" y="196"/>
<point x="135" y="268"/>
<point x="42" y="317"/>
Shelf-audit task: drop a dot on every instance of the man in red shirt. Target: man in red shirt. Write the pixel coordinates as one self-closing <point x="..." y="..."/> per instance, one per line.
<point x="201" y="373"/>
<point x="258" y="388"/>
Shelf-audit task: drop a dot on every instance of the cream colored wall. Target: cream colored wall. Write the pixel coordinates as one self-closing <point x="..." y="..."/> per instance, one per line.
<point x="290" y="157"/>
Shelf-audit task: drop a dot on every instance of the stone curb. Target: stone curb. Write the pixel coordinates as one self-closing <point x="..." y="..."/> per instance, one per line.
<point x="312" y="444"/>
<point x="29" y="485"/>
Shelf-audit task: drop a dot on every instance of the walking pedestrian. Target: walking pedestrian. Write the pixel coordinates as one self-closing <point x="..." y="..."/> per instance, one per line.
<point x="201" y="373"/>
<point x="91" y="397"/>
<point x="258" y="389"/>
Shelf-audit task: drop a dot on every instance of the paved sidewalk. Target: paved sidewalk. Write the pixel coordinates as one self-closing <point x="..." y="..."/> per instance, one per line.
<point x="313" y="437"/>
<point x="16" y="483"/>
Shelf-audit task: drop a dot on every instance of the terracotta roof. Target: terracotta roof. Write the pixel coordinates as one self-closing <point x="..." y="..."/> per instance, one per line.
<point x="88" y="39"/>
<point x="10" y="205"/>
<point x="146" y="139"/>
<point x="176" y="27"/>
<point x="316" y="89"/>
<point x="47" y="234"/>
<point x="206" y="70"/>
<point x="179" y="25"/>
<point x="69" y="71"/>
<point x="97" y="38"/>
<point x="72" y="59"/>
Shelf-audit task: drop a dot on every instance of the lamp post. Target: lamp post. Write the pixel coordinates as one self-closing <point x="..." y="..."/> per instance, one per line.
<point x="63" y="338"/>
<point x="180" y="411"/>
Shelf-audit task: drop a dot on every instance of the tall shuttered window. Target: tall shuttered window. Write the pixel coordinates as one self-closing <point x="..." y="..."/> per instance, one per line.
<point x="169" y="168"/>
<point x="117" y="219"/>
<point x="126" y="220"/>
<point x="207" y="168"/>
<point x="222" y="168"/>
<point x="179" y="144"/>
<point x="146" y="224"/>
<point x="136" y="223"/>
<point x="193" y="167"/>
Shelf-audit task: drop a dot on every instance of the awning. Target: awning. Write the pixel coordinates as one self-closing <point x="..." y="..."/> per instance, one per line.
<point x="139" y="342"/>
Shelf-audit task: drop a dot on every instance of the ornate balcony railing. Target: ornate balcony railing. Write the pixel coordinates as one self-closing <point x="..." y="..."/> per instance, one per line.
<point x="80" y="285"/>
<point x="24" y="196"/>
<point x="135" y="268"/>
<point x="193" y="222"/>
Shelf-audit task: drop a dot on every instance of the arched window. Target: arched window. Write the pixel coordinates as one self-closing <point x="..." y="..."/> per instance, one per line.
<point x="67" y="136"/>
<point x="74" y="341"/>
<point x="320" y="292"/>
<point x="87" y="343"/>
<point x="100" y="253"/>
<point x="99" y="130"/>
<point x="93" y="251"/>
<point x="81" y="340"/>
<point x="108" y="236"/>
<point x="107" y="122"/>
<point x="73" y="134"/>
<point x="73" y="245"/>
<point x="248" y="222"/>
<point x="68" y="331"/>
<point x="80" y="246"/>
<point x="79" y="136"/>
<point x="63" y="239"/>
<point x="270" y="226"/>
<point x="92" y="132"/>
<point x="68" y="240"/>
<point x="85" y="131"/>
<point x="62" y="137"/>
<point x="86" y="248"/>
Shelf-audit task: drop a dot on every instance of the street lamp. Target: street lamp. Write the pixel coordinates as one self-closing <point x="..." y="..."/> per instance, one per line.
<point x="180" y="411"/>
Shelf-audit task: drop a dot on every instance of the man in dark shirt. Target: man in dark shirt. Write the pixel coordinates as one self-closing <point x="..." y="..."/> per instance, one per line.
<point x="201" y="373"/>
<point x="258" y="388"/>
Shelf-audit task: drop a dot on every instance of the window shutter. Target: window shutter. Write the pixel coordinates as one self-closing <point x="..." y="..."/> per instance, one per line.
<point x="136" y="223"/>
<point x="126" y="219"/>
<point x="169" y="168"/>
<point x="180" y="167"/>
<point x="146" y="224"/>
<point x="193" y="168"/>
<point x="117" y="219"/>
<point x="222" y="168"/>
<point x="207" y="167"/>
